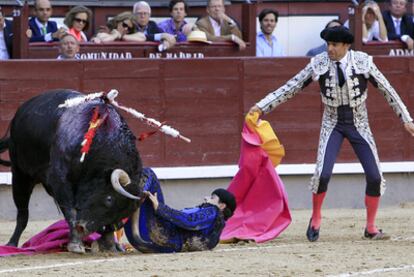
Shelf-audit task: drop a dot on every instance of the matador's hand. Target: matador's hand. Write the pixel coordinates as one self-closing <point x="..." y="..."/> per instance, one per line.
<point x="255" y="109"/>
<point x="409" y="126"/>
<point x="153" y="198"/>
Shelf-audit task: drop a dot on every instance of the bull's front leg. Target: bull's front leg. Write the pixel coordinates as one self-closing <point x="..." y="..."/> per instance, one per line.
<point x="107" y="240"/>
<point x="76" y="233"/>
<point x="76" y="229"/>
<point x="64" y="196"/>
<point x="106" y="243"/>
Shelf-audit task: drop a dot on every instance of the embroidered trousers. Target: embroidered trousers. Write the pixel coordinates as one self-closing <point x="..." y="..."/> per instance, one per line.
<point x="345" y="129"/>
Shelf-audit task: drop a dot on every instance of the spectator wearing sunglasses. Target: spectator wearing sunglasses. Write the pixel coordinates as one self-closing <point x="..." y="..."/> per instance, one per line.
<point x="77" y="21"/>
<point x="41" y="29"/>
<point x="119" y="28"/>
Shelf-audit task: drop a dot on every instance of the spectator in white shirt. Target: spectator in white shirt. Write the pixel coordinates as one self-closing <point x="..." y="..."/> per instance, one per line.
<point x="6" y="35"/>
<point x="373" y="26"/>
<point x="267" y="45"/>
<point x="218" y="26"/>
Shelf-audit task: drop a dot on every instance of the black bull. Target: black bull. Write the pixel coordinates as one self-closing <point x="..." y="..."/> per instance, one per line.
<point x="44" y="147"/>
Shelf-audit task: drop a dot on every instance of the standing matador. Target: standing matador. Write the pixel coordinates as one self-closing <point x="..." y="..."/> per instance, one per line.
<point x="343" y="77"/>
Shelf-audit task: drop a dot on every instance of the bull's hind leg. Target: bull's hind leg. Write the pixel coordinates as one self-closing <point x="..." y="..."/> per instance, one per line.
<point x="22" y="190"/>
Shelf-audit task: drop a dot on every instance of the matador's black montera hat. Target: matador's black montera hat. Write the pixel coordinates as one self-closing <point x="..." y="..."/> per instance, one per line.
<point x="337" y="34"/>
<point x="227" y="198"/>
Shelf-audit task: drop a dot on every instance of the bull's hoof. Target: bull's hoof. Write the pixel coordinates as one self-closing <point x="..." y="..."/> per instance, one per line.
<point x="76" y="248"/>
<point x="99" y="247"/>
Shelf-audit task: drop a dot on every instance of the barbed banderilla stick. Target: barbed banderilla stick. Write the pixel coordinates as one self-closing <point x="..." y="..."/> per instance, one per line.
<point x="168" y="130"/>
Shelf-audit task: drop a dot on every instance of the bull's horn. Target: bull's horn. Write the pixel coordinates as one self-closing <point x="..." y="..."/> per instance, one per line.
<point x="120" y="179"/>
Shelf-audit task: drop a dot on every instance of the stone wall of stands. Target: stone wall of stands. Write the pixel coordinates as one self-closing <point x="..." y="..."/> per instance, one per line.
<point x="207" y="99"/>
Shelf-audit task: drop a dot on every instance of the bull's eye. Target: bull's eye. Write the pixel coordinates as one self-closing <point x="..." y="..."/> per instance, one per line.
<point x="109" y="201"/>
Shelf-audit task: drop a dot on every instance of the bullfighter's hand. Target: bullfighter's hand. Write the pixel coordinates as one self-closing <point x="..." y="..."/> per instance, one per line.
<point x="153" y="198"/>
<point x="409" y="126"/>
<point x="255" y="109"/>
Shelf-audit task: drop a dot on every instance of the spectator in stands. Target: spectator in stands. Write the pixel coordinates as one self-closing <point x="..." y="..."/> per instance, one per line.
<point x="266" y="43"/>
<point x="78" y="20"/>
<point x="177" y="25"/>
<point x="68" y="47"/>
<point x="399" y="24"/>
<point x="119" y="28"/>
<point x="218" y="26"/>
<point x="142" y="13"/>
<point x="41" y="28"/>
<point x="373" y="26"/>
<point x="6" y="37"/>
<point x="323" y="47"/>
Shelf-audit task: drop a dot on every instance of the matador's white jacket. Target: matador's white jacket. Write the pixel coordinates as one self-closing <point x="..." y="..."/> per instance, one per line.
<point x="359" y="71"/>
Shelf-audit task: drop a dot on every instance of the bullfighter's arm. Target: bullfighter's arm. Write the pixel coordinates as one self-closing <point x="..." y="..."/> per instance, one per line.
<point x="392" y="97"/>
<point x="287" y="91"/>
<point x="190" y="219"/>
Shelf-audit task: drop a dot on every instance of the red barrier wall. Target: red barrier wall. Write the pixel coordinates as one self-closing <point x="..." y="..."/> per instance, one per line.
<point x="206" y="99"/>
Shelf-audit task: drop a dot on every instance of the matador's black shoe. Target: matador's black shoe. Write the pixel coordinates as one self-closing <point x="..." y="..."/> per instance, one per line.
<point x="312" y="234"/>
<point x="376" y="236"/>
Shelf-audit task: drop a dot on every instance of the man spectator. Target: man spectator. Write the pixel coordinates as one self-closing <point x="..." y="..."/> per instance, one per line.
<point x="323" y="47"/>
<point x="177" y="25"/>
<point x="267" y="44"/>
<point x="6" y="37"/>
<point x="142" y="13"/>
<point x="218" y="26"/>
<point x="68" y="48"/>
<point x="41" y="28"/>
<point x="399" y="24"/>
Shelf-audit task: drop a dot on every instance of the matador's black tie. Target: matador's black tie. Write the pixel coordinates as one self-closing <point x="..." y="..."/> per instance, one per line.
<point x="341" y="77"/>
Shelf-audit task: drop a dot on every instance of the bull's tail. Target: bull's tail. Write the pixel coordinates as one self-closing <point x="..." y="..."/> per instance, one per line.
<point x="4" y="146"/>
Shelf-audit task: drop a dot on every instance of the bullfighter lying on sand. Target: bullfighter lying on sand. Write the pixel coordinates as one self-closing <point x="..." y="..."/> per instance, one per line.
<point x="155" y="227"/>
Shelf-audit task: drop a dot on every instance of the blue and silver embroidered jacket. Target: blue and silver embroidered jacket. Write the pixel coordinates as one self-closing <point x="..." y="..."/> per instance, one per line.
<point x="191" y="229"/>
<point x="169" y="230"/>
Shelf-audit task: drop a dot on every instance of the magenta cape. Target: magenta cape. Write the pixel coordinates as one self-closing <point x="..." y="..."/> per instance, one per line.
<point x="262" y="211"/>
<point x="53" y="239"/>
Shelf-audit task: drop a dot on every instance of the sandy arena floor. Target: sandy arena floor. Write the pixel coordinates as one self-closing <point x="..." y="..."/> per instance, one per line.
<point x="341" y="251"/>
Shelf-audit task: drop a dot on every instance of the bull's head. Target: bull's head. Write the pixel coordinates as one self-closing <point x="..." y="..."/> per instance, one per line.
<point x="110" y="200"/>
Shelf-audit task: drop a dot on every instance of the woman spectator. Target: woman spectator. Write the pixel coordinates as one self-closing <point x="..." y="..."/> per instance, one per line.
<point x="373" y="27"/>
<point x="119" y="28"/>
<point x="78" y="20"/>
